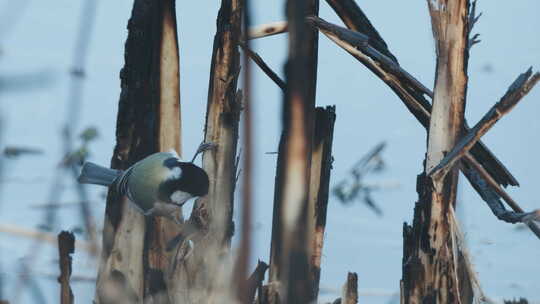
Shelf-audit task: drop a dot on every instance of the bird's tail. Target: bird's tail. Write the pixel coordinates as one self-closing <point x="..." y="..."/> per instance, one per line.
<point x="97" y="175"/>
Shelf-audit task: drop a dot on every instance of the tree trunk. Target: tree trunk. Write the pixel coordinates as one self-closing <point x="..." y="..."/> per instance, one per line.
<point x="134" y="258"/>
<point x="321" y="166"/>
<point x="201" y="275"/>
<point x="289" y="263"/>
<point x="432" y="256"/>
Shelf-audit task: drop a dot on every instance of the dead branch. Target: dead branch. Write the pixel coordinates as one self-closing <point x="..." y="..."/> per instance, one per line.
<point x="289" y="277"/>
<point x="432" y="269"/>
<point x="360" y="42"/>
<point x="264" y="67"/>
<point x="514" y="301"/>
<point x="321" y="166"/>
<point x="420" y="107"/>
<point x="412" y="96"/>
<point x="197" y="274"/>
<point x="491" y="192"/>
<point x="353" y="187"/>
<point x="519" y="88"/>
<point x="134" y="256"/>
<point x="355" y="19"/>
<point x="254" y="282"/>
<point x="40" y="236"/>
<point x="473" y="19"/>
<point x="265" y="30"/>
<point x="66" y="247"/>
<point x="245" y="289"/>
<point x="350" y="289"/>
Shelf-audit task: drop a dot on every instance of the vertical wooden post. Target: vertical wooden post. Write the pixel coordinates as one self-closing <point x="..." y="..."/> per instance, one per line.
<point x="431" y="269"/>
<point x="321" y="165"/>
<point x="245" y="289"/>
<point x="66" y="247"/>
<point x="289" y="264"/>
<point x="134" y="259"/>
<point x="197" y="276"/>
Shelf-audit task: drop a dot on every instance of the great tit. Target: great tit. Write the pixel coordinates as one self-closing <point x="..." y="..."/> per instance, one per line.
<point x="156" y="185"/>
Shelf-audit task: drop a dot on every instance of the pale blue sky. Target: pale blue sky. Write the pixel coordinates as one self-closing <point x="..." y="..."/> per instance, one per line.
<point x="367" y="112"/>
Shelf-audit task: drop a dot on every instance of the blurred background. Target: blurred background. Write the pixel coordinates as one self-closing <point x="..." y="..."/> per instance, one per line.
<point x="37" y="58"/>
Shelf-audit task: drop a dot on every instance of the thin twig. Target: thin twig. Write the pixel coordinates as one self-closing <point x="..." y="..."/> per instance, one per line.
<point x="519" y="88"/>
<point x="264" y="67"/>
<point x="39" y="236"/>
<point x="473" y="19"/>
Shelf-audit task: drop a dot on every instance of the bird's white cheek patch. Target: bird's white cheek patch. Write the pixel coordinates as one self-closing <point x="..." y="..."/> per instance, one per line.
<point x="176" y="173"/>
<point x="180" y="197"/>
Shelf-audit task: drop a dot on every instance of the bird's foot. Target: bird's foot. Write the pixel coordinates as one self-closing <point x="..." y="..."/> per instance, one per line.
<point x="204" y="146"/>
<point x="169" y="211"/>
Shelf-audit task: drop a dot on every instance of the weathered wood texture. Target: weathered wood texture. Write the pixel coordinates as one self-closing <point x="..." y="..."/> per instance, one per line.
<point x="321" y="166"/>
<point x="244" y="290"/>
<point x="197" y="275"/>
<point x="410" y="91"/>
<point x="134" y="255"/>
<point x="355" y="19"/>
<point x="289" y="264"/>
<point x="349" y="291"/>
<point x="479" y="166"/>
<point x="255" y="280"/>
<point x="521" y="86"/>
<point x="66" y="247"/>
<point x="431" y="268"/>
<point x="266" y="30"/>
<point x="264" y="67"/>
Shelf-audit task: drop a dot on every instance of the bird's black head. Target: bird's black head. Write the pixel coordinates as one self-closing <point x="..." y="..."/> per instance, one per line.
<point x="192" y="179"/>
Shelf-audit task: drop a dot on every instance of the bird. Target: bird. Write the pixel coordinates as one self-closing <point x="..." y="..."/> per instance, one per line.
<point x="156" y="185"/>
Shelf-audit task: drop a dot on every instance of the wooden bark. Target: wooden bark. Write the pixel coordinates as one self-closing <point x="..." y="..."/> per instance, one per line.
<point x="355" y="19"/>
<point x="66" y="247"/>
<point x="431" y="267"/>
<point x="350" y="289"/>
<point x="264" y="67"/>
<point x="134" y="258"/>
<point x="254" y="282"/>
<point x="521" y="86"/>
<point x="400" y="81"/>
<point x="289" y="270"/>
<point x="407" y="88"/>
<point x="321" y="165"/>
<point x="266" y="30"/>
<point x="200" y="273"/>
<point x="245" y="289"/>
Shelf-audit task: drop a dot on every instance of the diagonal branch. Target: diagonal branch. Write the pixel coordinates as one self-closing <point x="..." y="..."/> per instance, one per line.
<point x="363" y="43"/>
<point x="519" y="88"/>
<point x="491" y="192"/>
<point x="264" y="67"/>
<point x="480" y="156"/>
<point x="411" y="96"/>
<point x="355" y="19"/>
